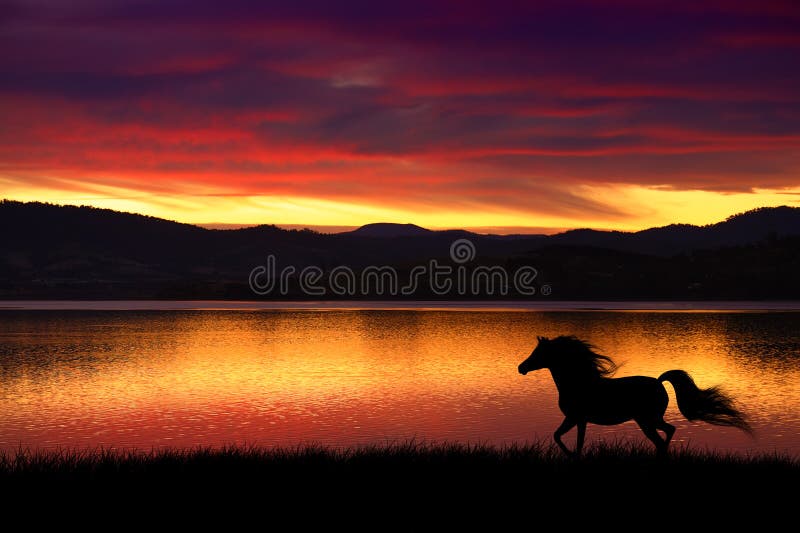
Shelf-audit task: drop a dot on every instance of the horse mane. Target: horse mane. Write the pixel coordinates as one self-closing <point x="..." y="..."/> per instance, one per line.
<point x="584" y="355"/>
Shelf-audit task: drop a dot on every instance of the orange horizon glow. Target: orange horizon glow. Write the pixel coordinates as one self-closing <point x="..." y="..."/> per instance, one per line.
<point x="654" y="208"/>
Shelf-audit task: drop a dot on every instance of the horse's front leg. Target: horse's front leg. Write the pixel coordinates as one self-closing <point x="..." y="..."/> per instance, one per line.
<point x="565" y="426"/>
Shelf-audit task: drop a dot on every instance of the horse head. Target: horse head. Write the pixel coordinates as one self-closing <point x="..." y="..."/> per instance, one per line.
<point x="539" y="357"/>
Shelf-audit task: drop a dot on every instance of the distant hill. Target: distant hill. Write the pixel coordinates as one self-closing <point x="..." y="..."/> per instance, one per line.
<point x="385" y="229"/>
<point x="50" y="251"/>
<point x="741" y="229"/>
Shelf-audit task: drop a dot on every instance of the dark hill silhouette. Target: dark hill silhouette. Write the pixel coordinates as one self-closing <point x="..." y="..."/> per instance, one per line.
<point x="66" y="251"/>
<point x="741" y="229"/>
<point x="385" y="229"/>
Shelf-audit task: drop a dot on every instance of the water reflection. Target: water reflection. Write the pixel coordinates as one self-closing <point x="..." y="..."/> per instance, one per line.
<point x="183" y="378"/>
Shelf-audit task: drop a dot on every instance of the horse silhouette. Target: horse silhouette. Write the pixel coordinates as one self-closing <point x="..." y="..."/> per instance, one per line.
<point x="587" y="393"/>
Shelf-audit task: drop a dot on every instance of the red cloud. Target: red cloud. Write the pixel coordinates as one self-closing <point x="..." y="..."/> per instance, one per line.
<point x="390" y="108"/>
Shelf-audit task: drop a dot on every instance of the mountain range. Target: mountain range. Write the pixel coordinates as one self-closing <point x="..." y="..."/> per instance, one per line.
<point x="52" y="251"/>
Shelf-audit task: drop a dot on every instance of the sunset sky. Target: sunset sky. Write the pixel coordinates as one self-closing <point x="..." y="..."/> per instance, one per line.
<point x="601" y="113"/>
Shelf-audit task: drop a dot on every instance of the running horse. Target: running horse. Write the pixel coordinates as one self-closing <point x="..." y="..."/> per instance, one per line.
<point x="588" y="393"/>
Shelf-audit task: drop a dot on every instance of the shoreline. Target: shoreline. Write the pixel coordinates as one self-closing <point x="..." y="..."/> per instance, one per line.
<point x="732" y="306"/>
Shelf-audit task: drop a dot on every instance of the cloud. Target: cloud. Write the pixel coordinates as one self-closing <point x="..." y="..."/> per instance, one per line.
<point x="417" y="104"/>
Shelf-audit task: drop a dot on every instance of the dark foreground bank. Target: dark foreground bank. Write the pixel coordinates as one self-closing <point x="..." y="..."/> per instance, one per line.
<point x="408" y="486"/>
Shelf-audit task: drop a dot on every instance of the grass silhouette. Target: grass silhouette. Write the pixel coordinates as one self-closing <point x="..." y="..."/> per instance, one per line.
<point x="410" y="484"/>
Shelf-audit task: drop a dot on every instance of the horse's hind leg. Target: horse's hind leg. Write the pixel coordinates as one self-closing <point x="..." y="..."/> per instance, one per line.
<point x="649" y="429"/>
<point x="581" y="435"/>
<point x="668" y="429"/>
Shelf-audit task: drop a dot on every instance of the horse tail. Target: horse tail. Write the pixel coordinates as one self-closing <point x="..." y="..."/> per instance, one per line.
<point x="709" y="405"/>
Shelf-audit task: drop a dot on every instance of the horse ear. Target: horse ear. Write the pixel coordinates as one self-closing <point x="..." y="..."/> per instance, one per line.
<point x="539" y="338"/>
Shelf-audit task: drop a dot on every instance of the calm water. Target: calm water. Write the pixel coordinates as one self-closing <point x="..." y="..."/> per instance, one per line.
<point x="150" y="378"/>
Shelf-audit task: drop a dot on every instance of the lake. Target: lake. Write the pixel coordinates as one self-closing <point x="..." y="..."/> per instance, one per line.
<point x="186" y="374"/>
